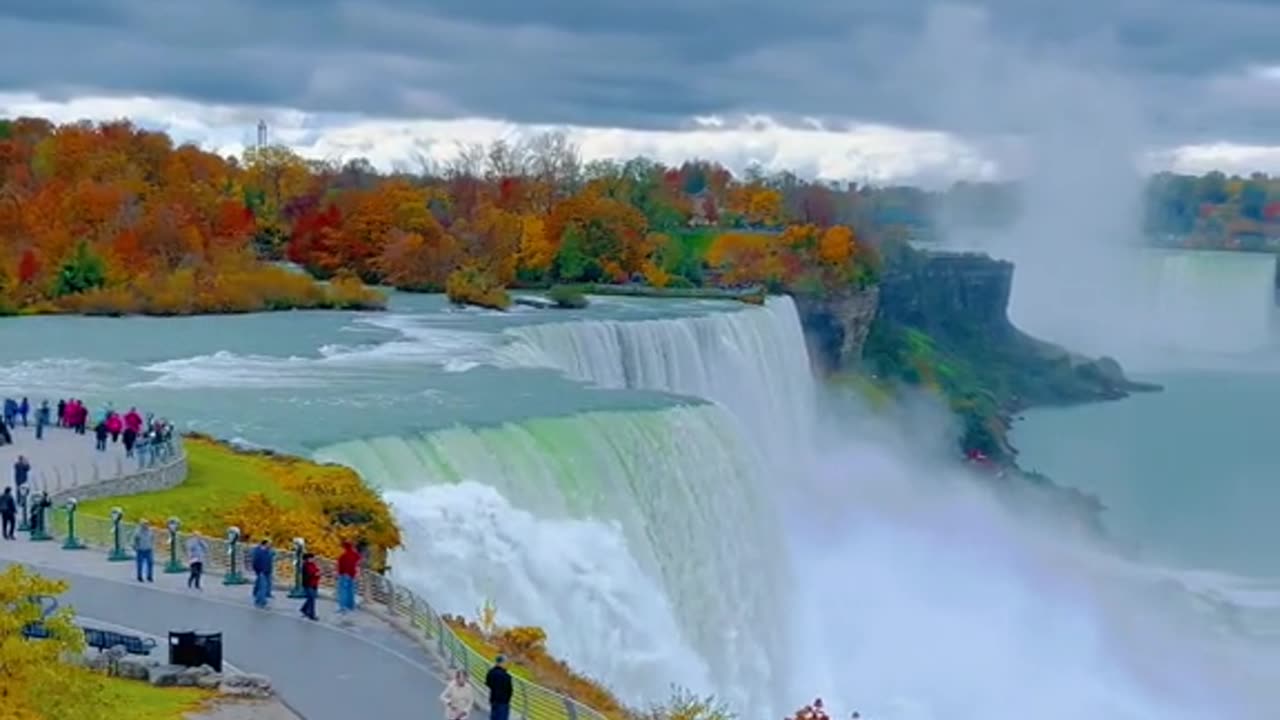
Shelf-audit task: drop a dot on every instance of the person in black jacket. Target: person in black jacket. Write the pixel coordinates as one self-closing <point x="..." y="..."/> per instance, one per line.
<point x="499" y="683"/>
<point x="8" y="512"/>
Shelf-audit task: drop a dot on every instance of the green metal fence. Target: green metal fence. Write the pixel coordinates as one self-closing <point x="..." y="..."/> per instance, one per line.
<point x="377" y="594"/>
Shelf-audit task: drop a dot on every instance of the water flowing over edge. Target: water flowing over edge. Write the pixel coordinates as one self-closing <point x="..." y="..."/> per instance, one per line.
<point x="609" y="530"/>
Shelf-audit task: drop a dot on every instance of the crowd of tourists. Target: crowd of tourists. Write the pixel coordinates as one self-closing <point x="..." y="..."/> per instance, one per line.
<point x="148" y="439"/>
<point x="151" y="439"/>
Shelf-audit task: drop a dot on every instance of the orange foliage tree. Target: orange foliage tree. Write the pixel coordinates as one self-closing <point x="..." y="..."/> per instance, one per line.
<point x="111" y="219"/>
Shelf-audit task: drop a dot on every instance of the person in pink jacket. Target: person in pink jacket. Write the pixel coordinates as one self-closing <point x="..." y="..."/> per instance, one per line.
<point x="133" y="421"/>
<point x="115" y="425"/>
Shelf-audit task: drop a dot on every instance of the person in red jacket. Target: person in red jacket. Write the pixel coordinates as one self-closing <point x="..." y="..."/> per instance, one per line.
<point x="310" y="585"/>
<point x="348" y="566"/>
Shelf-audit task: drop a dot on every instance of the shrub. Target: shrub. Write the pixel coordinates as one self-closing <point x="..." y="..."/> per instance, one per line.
<point x="347" y="292"/>
<point x="686" y="705"/>
<point x="327" y="504"/>
<point x="567" y="296"/>
<point x="474" y="286"/>
<point x="113" y="302"/>
<point x="84" y="271"/>
<point x="526" y="646"/>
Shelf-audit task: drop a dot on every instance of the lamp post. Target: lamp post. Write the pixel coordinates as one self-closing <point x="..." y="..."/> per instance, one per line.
<point x="72" y="542"/>
<point x="299" y="549"/>
<point x="118" y="553"/>
<point x="233" y="576"/>
<point x="174" y="566"/>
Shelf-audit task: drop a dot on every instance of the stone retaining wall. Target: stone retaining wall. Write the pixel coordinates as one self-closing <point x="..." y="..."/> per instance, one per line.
<point x="151" y="479"/>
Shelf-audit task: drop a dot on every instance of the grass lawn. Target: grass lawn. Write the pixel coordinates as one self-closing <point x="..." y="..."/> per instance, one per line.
<point x="218" y="478"/>
<point x="137" y="700"/>
<point x="695" y="242"/>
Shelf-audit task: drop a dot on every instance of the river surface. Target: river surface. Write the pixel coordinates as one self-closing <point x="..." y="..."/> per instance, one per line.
<point x="664" y="487"/>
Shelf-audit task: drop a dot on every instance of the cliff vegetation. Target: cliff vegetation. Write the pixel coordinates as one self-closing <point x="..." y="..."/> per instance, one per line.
<point x="940" y="321"/>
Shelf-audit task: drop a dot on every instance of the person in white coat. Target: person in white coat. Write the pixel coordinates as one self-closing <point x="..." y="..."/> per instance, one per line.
<point x="458" y="697"/>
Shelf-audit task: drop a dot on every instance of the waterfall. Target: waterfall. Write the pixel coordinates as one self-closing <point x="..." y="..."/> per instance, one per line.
<point x="687" y="545"/>
<point x="753" y="362"/>
<point x="640" y="541"/>
<point x="1214" y="302"/>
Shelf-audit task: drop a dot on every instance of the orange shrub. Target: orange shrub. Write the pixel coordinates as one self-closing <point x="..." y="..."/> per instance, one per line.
<point x="103" y="301"/>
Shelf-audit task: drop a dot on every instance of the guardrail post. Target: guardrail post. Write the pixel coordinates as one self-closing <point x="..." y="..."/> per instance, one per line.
<point x="118" y="553"/>
<point x="174" y="566"/>
<point x="233" y="576"/>
<point x="72" y="542"/>
<point x="299" y="549"/>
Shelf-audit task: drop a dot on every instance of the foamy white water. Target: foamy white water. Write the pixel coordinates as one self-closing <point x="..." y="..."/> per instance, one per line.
<point x="680" y="490"/>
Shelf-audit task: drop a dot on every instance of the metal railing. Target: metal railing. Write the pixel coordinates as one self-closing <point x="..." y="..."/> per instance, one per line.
<point x="378" y="595"/>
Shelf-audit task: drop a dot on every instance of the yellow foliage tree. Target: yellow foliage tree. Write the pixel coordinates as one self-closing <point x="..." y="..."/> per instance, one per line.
<point x="836" y="246"/>
<point x="764" y="207"/>
<point x="35" y="681"/>
<point x="536" y="250"/>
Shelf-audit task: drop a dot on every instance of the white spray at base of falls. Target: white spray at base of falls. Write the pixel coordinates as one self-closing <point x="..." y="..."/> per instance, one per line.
<point x="652" y="514"/>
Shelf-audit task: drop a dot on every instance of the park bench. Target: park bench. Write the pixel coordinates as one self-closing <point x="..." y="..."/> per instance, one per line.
<point x="99" y="639"/>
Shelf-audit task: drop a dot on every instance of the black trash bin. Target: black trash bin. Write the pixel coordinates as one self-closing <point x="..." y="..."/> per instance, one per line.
<point x="193" y="649"/>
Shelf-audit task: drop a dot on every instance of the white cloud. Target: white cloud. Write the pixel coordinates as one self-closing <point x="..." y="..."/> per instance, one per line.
<point x="852" y="151"/>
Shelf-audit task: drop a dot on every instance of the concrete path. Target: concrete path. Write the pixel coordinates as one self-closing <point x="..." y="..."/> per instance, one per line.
<point x="336" y="669"/>
<point x="63" y="460"/>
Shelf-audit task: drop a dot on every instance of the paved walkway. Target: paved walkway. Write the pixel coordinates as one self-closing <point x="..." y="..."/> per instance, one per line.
<point x="63" y="460"/>
<point x="331" y="670"/>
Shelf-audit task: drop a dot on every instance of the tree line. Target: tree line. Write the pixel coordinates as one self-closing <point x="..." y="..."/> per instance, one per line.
<point x="110" y="218"/>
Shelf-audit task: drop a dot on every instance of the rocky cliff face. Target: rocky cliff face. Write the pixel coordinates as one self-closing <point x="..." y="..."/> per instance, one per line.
<point x="949" y="294"/>
<point x="961" y="302"/>
<point x="836" y="326"/>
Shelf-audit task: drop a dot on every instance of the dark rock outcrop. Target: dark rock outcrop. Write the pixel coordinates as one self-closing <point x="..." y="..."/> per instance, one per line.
<point x="961" y="302"/>
<point x="949" y="294"/>
<point x="836" y="326"/>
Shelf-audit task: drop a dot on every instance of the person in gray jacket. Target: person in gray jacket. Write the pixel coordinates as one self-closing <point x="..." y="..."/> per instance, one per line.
<point x="197" y="553"/>
<point x="144" y="543"/>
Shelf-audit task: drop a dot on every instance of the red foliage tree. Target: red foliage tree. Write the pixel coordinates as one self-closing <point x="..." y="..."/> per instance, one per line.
<point x="28" y="267"/>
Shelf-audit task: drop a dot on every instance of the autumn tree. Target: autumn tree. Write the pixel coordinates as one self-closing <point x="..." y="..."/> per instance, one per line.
<point x="598" y="238"/>
<point x="745" y="258"/>
<point x="418" y="261"/>
<point x="36" y="683"/>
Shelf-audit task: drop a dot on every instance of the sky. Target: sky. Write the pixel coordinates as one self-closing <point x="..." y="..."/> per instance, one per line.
<point x="866" y="90"/>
